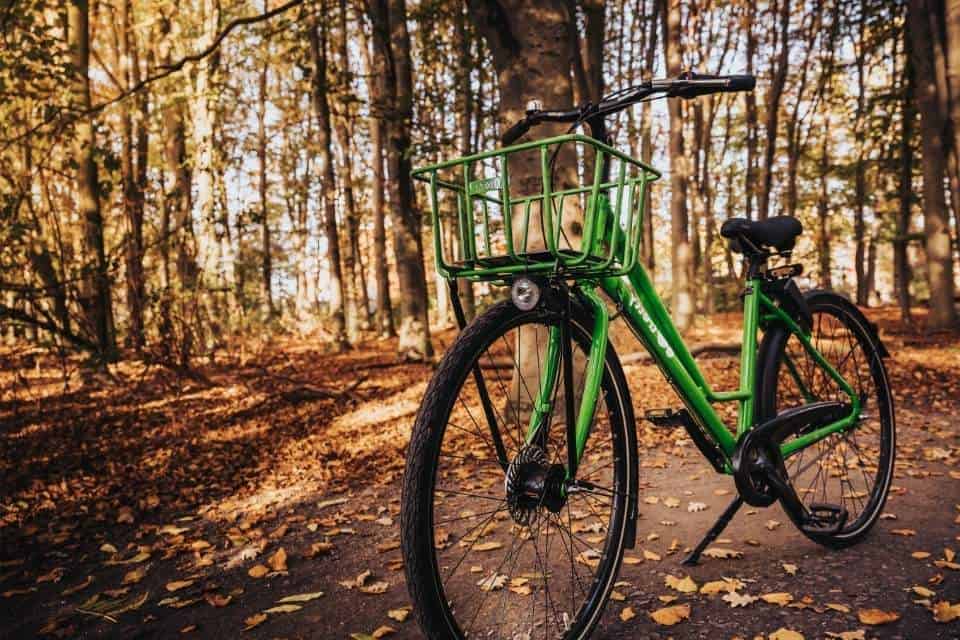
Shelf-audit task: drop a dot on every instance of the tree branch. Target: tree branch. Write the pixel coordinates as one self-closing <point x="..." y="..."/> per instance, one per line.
<point x="20" y="316"/>
<point x="166" y="70"/>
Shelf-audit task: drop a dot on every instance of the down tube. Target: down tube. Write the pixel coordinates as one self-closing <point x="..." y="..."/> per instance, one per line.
<point x="663" y="342"/>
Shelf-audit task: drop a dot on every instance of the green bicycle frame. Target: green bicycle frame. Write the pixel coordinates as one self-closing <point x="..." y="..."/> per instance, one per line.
<point x="647" y="317"/>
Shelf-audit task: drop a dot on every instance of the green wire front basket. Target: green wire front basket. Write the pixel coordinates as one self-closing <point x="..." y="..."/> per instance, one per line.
<point x="541" y="207"/>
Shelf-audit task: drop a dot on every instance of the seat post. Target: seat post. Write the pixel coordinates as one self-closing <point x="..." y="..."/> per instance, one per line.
<point x="748" y="350"/>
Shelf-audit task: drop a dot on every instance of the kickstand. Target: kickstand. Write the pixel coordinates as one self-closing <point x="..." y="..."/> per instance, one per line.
<point x="715" y="530"/>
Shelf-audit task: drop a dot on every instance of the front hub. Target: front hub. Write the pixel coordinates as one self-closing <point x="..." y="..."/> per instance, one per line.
<point x="532" y="482"/>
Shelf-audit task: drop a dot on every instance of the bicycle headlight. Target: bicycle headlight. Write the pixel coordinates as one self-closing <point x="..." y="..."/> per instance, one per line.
<point x="525" y="293"/>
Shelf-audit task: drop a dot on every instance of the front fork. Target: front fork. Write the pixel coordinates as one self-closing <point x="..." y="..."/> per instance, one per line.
<point x="559" y="362"/>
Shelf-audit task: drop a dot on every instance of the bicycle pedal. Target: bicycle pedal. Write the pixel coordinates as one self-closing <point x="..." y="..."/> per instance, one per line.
<point x="825" y="519"/>
<point x="666" y="418"/>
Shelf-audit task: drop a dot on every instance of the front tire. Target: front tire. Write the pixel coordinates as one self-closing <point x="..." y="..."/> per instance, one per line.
<point x="851" y="468"/>
<point x="559" y="568"/>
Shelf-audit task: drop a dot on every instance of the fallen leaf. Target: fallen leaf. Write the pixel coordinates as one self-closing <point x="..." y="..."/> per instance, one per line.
<point x="842" y="608"/>
<point x="903" y="532"/>
<point x="877" y="616"/>
<point x="923" y="592"/>
<point x="258" y="571"/>
<point x="785" y="634"/>
<point x="672" y="503"/>
<point x="722" y="553"/>
<point x="487" y="546"/>
<point x="254" y="620"/>
<point x="375" y="588"/>
<point x="946" y="612"/>
<point x="790" y="568"/>
<point x="135" y="575"/>
<point x="920" y="555"/>
<point x="125" y="515"/>
<point x="217" y="600"/>
<point x="176" y="585"/>
<point x="320" y="548"/>
<point x="493" y="582"/>
<point x="650" y="555"/>
<point x="627" y="614"/>
<point x="283" y="608"/>
<point x="669" y="616"/>
<point x="589" y="557"/>
<point x="382" y="631"/>
<point x="278" y="561"/>
<point x="859" y="634"/>
<point x="683" y="585"/>
<point x="301" y="597"/>
<point x="695" y="507"/>
<point x="739" y="600"/>
<point x="400" y="615"/>
<point x="771" y="524"/>
<point x="780" y="598"/>
<point x="720" y="586"/>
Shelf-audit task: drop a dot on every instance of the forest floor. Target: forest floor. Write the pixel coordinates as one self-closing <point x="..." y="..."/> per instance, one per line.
<point x="148" y="505"/>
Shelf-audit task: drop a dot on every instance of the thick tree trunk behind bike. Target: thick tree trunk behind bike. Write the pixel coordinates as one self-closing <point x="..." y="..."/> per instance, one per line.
<point x="532" y="53"/>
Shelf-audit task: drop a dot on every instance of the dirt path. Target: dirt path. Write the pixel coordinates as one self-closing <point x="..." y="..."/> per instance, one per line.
<point x="141" y="512"/>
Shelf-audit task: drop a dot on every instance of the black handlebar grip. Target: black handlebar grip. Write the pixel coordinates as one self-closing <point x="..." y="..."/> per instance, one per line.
<point x="740" y="83"/>
<point x="515" y="132"/>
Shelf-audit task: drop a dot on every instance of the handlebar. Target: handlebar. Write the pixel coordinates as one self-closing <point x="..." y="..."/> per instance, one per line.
<point x="688" y="85"/>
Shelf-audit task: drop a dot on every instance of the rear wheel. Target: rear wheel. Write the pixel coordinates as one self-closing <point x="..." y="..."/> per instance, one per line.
<point x="479" y="562"/>
<point x="851" y="468"/>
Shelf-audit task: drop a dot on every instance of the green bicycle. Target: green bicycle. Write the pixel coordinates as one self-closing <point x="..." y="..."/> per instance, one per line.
<point x="521" y="488"/>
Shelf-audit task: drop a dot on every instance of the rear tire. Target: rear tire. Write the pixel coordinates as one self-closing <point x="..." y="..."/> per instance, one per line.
<point x="851" y="468"/>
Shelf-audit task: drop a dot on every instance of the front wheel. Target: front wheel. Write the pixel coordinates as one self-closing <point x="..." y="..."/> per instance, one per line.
<point x="482" y="561"/>
<point x="851" y="468"/>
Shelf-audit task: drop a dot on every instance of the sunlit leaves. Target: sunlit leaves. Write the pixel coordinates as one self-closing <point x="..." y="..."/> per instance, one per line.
<point x="669" y="616"/>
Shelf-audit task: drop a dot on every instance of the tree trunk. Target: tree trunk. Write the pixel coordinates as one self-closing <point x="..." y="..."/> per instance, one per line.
<point x="751" y="101"/>
<point x="266" y="248"/>
<point x="646" y="137"/>
<point x="375" y="69"/>
<point x="317" y="32"/>
<point x="901" y="262"/>
<point x="595" y="34"/>
<point x="680" y="251"/>
<point x="952" y="24"/>
<point x="823" y="211"/>
<point x="356" y="312"/>
<point x="178" y="211"/>
<point x="392" y="40"/>
<point x="936" y="225"/>
<point x="134" y="169"/>
<point x="465" y="107"/>
<point x="860" y="180"/>
<point x="774" y="93"/>
<point x="95" y="285"/>
<point x="795" y="129"/>
<point x="204" y="93"/>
